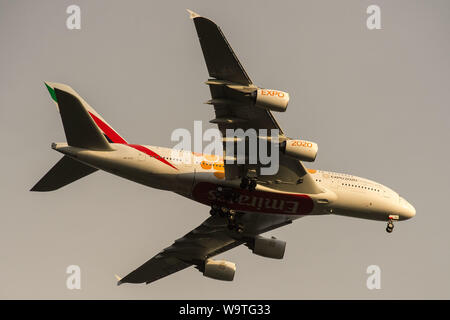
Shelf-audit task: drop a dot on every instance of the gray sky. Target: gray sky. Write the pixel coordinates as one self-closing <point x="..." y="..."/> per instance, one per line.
<point x="376" y="102"/>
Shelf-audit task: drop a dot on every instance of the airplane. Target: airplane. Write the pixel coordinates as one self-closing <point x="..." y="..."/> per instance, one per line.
<point x="244" y="204"/>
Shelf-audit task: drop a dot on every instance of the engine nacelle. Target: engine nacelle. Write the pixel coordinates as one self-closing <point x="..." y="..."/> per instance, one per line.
<point x="300" y="149"/>
<point x="269" y="247"/>
<point x="271" y="99"/>
<point x="219" y="270"/>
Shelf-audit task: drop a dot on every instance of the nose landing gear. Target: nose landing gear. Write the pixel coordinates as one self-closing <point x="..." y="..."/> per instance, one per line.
<point x="390" y="227"/>
<point x="390" y="224"/>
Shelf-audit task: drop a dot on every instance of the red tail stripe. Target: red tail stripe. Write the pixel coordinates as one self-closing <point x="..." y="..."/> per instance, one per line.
<point x="112" y="135"/>
<point x="115" y="138"/>
<point x="151" y="154"/>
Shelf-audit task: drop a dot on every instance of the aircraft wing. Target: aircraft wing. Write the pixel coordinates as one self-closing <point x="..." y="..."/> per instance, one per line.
<point x="231" y="95"/>
<point x="229" y="75"/>
<point x="212" y="237"/>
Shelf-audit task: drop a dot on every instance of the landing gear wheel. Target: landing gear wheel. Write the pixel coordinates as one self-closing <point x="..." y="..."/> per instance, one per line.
<point x="239" y="227"/>
<point x="231" y="216"/>
<point x="252" y="185"/>
<point x="390" y="226"/>
<point x="232" y="222"/>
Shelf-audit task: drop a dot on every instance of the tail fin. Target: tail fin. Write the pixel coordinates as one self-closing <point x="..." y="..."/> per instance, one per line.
<point x="83" y="126"/>
<point x="65" y="171"/>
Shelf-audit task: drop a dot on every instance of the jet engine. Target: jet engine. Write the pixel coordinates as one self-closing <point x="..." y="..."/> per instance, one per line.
<point x="300" y="149"/>
<point x="269" y="247"/>
<point x="271" y="99"/>
<point x="219" y="270"/>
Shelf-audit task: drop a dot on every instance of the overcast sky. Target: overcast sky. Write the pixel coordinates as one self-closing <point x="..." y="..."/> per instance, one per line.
<point x="376" y="102"/>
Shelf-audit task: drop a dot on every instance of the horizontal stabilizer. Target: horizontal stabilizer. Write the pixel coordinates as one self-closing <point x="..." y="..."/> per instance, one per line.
<point x="65" y="171"/>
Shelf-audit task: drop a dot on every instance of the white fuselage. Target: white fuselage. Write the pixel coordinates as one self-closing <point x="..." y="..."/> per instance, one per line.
<point x="197" y="177"/>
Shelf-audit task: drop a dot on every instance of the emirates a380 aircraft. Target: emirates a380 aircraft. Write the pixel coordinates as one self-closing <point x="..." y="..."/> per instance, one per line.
<point x="243" y="202"/>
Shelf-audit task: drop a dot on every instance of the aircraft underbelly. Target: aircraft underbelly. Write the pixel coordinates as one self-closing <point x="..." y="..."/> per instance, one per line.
<point x="255" y="201"/>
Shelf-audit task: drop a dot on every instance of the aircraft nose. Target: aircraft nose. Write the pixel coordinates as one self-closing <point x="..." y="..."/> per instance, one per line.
<point x="408" y="211"/>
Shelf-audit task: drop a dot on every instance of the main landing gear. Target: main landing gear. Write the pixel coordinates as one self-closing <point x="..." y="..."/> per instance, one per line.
<point x="233" y="223"/>
<point x="390" y="224"/>
<point x="230" y="215"/>
<point x="224" y="197"/>
<point x="248" y="184"/>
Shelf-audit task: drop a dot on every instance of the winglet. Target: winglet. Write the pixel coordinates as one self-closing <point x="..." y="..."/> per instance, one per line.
<point x="192" y="14"/>
<point x="119" y="279"/>
<point x="51" y="90"/>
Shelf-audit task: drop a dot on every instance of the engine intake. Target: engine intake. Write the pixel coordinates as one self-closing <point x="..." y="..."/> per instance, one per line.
<point x="219" y="270"/>
<point x="271" y="99"/>
<point x="269" y="247"/>
<point x="300" y="149"/>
